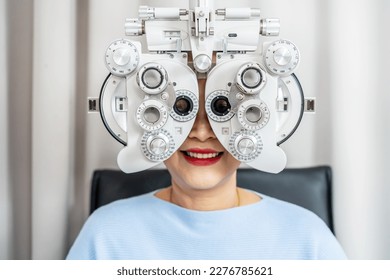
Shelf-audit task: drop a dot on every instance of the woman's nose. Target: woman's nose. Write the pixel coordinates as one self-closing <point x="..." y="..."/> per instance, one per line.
<point x="202" y="129"/>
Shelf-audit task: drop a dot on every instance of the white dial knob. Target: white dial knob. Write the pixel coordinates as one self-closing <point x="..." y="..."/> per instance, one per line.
<point x="157" y="145"/>
<point x="282" y="57"/>
<point x="270" y="27"/>
<point x="245" y="145"/>
<point x="134" y="27"/>
<point x="122" y="57"/>
<point x="202" y="63"/>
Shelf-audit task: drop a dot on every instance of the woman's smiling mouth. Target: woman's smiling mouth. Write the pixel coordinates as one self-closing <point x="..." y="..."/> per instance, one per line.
<point x="202" y="157"/>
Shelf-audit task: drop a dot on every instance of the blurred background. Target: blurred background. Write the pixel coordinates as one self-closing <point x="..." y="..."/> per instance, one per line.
<point x="51" y="61"/>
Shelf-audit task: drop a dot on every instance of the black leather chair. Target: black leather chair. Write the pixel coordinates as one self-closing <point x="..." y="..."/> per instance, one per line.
<point x="307" y="187"/>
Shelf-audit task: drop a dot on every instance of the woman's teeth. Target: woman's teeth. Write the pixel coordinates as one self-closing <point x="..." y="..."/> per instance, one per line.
<point x="202" y="156"/>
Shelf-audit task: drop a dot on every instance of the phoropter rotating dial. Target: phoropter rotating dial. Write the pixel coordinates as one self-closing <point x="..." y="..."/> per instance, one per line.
<point x="152" y="78"/>
<point x="122" y="57"/>
<point x="251" y="78"/>
<point x="157" y="145"/>
<point x="282" y="57"/>
<point x="245" y="145"/>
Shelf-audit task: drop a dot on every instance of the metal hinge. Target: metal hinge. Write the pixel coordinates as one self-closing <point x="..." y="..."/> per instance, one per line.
<point x="310" y="105"/>
<point x="93" y="105"/>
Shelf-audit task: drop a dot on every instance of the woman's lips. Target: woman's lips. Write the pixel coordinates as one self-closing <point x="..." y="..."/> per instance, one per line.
<point x="202" y="157"/>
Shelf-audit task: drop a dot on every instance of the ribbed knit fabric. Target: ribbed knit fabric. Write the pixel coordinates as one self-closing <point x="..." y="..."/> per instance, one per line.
<point x="146" y="227"/>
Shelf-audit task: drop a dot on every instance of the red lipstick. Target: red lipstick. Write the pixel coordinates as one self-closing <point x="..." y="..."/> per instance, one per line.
<point x="202" y="157"/>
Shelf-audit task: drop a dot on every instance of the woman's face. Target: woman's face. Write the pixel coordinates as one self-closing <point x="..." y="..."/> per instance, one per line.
<point x="201" y="162"/>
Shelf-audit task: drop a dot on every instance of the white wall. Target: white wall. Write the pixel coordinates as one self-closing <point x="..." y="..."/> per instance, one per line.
<point x="5" y="194"/>
<point x="54" y="99"/>
<point x="18" y="94"/>
<point x="54" y="145"/>
<point x="360" y="129"/>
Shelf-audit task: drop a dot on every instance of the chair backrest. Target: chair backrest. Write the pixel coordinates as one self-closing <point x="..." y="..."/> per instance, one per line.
<point x="307" y="187"/>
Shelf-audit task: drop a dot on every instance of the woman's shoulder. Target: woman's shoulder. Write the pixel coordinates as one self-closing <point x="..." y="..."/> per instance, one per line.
<point x="304" y="226"/>
<point x="292" y="219"/>
<point x="125" y="206"/>
<point x="287" y="211"/>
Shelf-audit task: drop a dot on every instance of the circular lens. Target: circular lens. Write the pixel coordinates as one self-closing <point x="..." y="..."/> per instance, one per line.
<point x="152" y="78"/>
<point x="253" y="114"/>
<point x="152" y="115"/>
<point x="183" y="106"/>
<point x="251" y="77"/>
<point x="220" y="106"/>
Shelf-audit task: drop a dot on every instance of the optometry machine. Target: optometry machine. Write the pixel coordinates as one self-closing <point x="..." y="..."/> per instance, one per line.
<point x="150" y="98"/>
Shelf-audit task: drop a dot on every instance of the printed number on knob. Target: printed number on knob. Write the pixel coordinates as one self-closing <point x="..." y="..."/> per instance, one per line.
<point x="282" y="57"/>
<point x="122" y="57"/>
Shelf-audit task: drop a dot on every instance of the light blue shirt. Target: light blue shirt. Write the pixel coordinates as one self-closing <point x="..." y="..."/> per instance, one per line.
<point x="146" y="227"/>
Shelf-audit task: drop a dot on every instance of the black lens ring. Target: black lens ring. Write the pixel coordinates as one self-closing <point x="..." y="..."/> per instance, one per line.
<point x="148" y="69"/>
<point x="214" y="107"/>
<point x="258" y="71"/>
<point x="189" y="102"/>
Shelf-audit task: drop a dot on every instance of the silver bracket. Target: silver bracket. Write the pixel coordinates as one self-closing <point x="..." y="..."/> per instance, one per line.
<point x="310" y="105"/>
<point x="282" y="105"/>
<point x="179" y="43"/>
<point x="121" y="104"/>
<point x="93" y="105"/>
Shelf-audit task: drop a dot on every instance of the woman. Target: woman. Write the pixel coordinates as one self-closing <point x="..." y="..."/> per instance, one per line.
<point x="204" y="215"/>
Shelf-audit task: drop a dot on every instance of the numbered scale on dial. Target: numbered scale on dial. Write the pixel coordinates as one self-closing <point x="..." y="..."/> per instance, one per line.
<point x="245" y="145"/>
<point x="122" y="57"/>
<point x="282" y="57"/>
<point x="157" y="145"/>
<point x="253" y="114"/>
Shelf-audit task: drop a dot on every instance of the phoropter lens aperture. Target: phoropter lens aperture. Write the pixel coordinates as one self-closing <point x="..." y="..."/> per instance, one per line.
<point x="253" y="114"/>
<point x="152" y="115"/>
<point x="152" y="78"/>
<point x="220" y="106"/>
<point x="251" y="77"/>
<point x="183" y="106"/>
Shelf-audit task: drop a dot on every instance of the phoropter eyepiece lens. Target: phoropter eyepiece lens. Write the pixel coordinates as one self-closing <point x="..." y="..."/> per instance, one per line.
<point x="152" y="78"/>
<point x="152" y="115"/>
<point x="183" y="106"/>
<point x="253" y="114"/>
<point x="220" y="106"/>
<point x="251" y="77"/>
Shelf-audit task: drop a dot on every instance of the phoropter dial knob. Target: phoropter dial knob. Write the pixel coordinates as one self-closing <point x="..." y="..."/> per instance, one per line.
<point x="122" y="57"/>
<point x="270" y="27"/>
<point x="152" y="78"/>
<point x="134" y="27"/>
<point x="152" y="115"/>
<point x="157" y="145"/>
<point x="253" y="114"/>
<point x="251" y="78"/>
<point x="245" y="145"/>
<point x="282" y="57"/>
